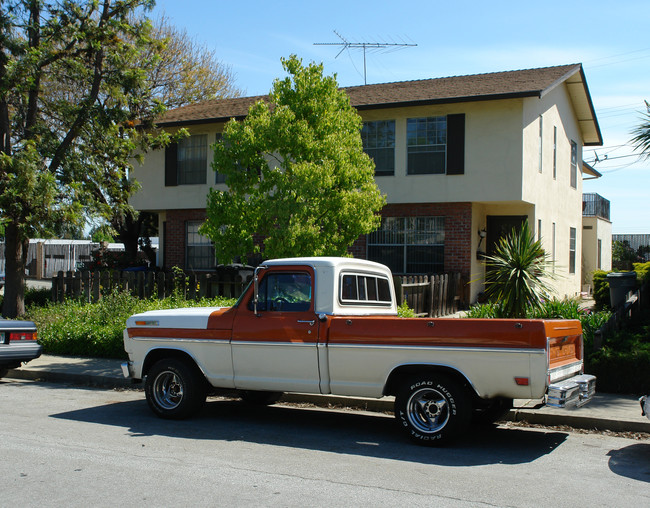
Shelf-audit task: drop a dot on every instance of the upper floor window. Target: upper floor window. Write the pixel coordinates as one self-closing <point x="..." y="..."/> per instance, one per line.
<point x="426" y="145"/>
<point x="219" y="177"/>
<point x="554" y="152"/>
<point x="199" y="251"/>
<point x="574" y="164"/>
<point x="186" y="162"/>
<point x="379" y="143"/>
<point x="541" y="142"/>
<point x="409" y="244"/>
<point x="192" y="159"/>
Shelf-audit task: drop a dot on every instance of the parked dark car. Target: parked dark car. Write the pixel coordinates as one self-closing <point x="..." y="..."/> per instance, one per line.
<point x="17" y="344"/>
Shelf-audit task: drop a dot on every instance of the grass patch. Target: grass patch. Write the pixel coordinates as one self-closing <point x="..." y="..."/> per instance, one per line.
<point x="95" y="329"/>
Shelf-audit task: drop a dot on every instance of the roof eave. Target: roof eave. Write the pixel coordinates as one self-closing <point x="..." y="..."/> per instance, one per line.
<point x="448" y="100"/>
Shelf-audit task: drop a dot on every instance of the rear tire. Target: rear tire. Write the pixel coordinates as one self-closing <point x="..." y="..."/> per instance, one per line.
<point x="432" y="408"/>
<point x="175" y="389"/>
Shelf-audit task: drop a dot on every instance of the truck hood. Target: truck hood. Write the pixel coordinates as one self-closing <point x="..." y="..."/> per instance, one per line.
<point x="187" y="318"/>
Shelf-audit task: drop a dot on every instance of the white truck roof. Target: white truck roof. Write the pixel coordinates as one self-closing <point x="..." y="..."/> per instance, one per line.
<point x="329" y="273"/>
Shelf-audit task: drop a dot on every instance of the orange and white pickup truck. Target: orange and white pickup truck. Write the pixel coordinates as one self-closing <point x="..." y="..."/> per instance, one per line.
<point x="330" y="326"/>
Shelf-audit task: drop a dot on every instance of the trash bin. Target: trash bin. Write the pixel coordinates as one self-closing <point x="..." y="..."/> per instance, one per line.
<point x="620" y="284"/>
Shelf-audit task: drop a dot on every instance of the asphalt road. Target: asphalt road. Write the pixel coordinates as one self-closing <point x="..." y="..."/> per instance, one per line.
<point x="70" y="446"/>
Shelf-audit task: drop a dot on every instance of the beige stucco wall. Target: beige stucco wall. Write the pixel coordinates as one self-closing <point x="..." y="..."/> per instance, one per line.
<point x="594" y="229"/>
<point x="502" y="175"/>
<point x="557" y="205"/>
<point x="492" y="155"/>
<point x="154" y="196"/>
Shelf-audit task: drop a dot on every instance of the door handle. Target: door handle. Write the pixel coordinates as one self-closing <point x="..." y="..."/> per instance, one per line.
<point x="311" y="323"/>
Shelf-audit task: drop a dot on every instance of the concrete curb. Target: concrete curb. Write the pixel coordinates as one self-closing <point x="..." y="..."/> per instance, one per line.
<point x="70" y="378"/>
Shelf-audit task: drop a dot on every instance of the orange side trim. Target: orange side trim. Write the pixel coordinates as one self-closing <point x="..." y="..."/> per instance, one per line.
<point x="179" y="333"/>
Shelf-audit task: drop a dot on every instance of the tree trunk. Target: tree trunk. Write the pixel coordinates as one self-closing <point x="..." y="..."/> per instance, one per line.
<point x="128" y="233"/>
<point x="16" y="249"/>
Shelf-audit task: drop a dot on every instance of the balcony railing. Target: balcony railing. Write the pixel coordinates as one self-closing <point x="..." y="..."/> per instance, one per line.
<point x="594" y="205"/>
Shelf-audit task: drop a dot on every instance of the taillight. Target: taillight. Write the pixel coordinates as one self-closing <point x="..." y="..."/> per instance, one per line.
<point x="22" y="336"/>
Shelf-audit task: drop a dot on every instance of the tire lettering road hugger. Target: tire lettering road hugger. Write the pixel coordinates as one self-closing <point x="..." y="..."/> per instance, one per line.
<point x="432" y="408"/>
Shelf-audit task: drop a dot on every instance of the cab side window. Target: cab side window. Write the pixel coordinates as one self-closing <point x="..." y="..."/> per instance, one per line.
<point x="284" y="292"/>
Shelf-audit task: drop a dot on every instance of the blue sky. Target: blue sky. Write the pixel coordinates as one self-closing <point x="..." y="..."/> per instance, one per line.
<point x="609" y="38"/>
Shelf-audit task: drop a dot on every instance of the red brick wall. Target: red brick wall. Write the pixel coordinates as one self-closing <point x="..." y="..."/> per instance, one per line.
<point x="458" y="222"/>
<point x="458" y="225"/>
<point x="174" y="242"/>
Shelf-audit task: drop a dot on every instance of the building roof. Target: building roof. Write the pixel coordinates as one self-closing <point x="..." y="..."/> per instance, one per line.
<point x="477" y="87"/>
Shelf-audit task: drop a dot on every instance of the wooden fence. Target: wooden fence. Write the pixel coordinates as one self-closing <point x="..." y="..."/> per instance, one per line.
<point x="432" y="296"/>
<point x="636" y="302"/>
<point x="90" y="286"/>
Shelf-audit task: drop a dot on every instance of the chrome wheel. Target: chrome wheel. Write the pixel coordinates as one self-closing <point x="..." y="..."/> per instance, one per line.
<point x="175" y="388"/>
<point x="168" y="390"/>
<point x="432" y="408"/>
<point x="427" y="410"/>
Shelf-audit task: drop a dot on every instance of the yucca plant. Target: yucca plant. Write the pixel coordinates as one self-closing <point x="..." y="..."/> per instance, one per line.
<point x="517" y="272"/>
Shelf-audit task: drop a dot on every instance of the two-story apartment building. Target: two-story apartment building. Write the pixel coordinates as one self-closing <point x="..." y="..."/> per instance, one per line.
<point x="461" y="160"/>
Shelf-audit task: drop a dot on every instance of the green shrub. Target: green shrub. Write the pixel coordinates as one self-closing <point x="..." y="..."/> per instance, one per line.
<point x="37" y="297"/>
<point x="484" y="310"/>
<point x="620" y="371"/>
<point x="85" y="329"/>
<point x="642" y="272"/>
<point x="405" y="311"/>
<point x="601" y="290"/>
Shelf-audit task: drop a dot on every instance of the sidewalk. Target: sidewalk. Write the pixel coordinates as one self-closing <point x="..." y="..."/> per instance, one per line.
<point x="619" y="413"/>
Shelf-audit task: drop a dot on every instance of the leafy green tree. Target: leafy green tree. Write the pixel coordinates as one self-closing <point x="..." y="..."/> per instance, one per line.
<point x="622" y="252"/>
<point x="72" y="88"/>
<point x="641" y="139"/>
<point x="296" y="172"/>
<point x="517" y="274"/>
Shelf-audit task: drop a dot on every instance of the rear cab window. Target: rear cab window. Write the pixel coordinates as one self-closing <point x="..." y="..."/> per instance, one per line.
<point x="364" y="289"/>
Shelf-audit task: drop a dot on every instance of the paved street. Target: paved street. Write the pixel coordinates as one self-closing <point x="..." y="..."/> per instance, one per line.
<point x="65" y="445"/>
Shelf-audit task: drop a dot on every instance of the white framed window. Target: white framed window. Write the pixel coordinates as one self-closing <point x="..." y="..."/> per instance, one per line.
<point x="409" y="244"/>
<point x="199" y="251"/>
<point x="379" y="143"/>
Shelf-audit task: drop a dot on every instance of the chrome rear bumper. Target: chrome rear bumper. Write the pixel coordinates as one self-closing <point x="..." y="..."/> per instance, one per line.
<point x="572" y="392"/>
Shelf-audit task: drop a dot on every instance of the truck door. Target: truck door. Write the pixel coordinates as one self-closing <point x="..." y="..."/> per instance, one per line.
<point x="276" y="349"/>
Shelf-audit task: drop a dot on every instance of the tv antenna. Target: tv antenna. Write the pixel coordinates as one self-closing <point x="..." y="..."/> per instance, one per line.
<point x="366" y="46"/>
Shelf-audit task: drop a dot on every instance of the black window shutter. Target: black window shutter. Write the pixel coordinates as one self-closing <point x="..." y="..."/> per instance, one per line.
<point x="456" y="144"/>
<point x="171" y="165"/>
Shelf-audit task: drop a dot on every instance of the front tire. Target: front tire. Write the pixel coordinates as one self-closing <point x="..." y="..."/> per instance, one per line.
<point x="175" y="389"/>
<point x="432" y="408"/>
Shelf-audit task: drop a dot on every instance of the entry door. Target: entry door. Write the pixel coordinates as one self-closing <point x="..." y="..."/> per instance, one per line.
<point x="499" y="226"/>
<point x="277" y="348"/>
